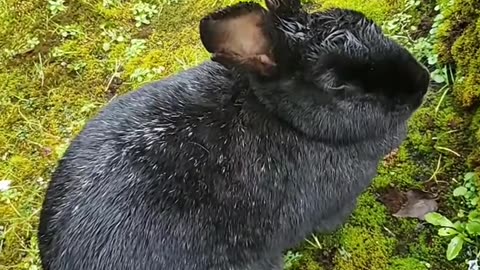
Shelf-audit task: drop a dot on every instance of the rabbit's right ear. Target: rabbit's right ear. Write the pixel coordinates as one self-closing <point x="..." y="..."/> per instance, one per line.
<point x="239" y="36"/>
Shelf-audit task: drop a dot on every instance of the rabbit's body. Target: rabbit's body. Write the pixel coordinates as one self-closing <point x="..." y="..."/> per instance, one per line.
<point x="213" y="169"/>
<point x="200" y="177"/>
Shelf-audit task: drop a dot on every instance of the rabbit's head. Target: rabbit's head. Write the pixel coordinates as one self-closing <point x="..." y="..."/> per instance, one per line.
<point x="337" y="58"/>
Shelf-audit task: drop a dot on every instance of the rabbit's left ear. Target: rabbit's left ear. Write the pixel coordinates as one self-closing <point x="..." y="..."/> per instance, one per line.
<point x="239" y="36"/>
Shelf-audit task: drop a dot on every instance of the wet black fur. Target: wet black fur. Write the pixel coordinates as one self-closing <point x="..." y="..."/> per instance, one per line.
<point x="218" y="169"/>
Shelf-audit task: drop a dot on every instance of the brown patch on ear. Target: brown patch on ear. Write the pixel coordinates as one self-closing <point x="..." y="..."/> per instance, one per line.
<point x="259" y="63"/>
<point x="237" y="36"/>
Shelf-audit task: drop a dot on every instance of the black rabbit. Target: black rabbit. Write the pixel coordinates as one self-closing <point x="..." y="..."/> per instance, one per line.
<point x="228" y="164"/>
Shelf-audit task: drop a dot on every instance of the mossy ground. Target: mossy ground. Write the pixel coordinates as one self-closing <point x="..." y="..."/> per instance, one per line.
<point x="57" y="71"/>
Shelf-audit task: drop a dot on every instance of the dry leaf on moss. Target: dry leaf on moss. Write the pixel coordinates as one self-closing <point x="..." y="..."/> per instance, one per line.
<point x="418" y="204"/>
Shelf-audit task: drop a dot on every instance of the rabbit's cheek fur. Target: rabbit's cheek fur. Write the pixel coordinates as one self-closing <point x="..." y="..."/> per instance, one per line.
<point x="225" y="165"/>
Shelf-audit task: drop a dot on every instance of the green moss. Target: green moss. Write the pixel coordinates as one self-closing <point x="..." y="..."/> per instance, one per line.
<point x="369" y="213"/>
<point x="366" y="249"/>
<point x="460" y="44"/>
<point x="473" y="159"/>
<point x="404" y="174"/>
<point x="468" y="89"/>
<point x="407" y="264"/>
<point x="475" y="125"/>
<point x="422" y="141"/>
<point x="457" y="15"/>
<point x="381" y="182"/>
<point x="378" y="10"/>
<point x="399" y="170"/>
<point x="307" y="261"/>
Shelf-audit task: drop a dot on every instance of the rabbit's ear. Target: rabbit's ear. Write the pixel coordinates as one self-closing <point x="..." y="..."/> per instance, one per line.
<point x="284" y="7"/>
<point x="239" y="36"/>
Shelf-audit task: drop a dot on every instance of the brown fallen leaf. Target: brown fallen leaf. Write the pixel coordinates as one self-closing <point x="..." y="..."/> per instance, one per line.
<point x="393" y="199"/>
<point x="419" y="203"/>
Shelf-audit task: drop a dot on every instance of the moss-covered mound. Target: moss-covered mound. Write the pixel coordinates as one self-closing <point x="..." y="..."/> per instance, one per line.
<point x="460" y="46"/>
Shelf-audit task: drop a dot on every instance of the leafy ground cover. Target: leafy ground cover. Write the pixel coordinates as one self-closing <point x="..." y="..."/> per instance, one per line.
<point x="61" y="61"/>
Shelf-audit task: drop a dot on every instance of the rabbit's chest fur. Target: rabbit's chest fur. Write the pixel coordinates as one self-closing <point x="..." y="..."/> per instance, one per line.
<point x="308" y="183"/>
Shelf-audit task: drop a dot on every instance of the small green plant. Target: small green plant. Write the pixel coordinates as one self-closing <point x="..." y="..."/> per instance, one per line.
<point x="290" y="259"/>
<point x="136" y="47"/>
<point x="114" y="36"/>
<point x="143" y="13"/>
<point x="32" y="43"/>
<point x="56" y="6"/>
<point x="69" y="31"/>
<point x="468" y="191"/>
<point x="466" y="230"/>
<point x="9" y="195"/>
<point x="144" y="75"/>
<point x="26" y="46"/>
<point x="459" y="232"/>
<point x="400" y="25"/>
<point x="58" y="52"/>
<point x="77" y="67"/>
<point x="9" y="53"/>
<point x="440" y="75"/>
